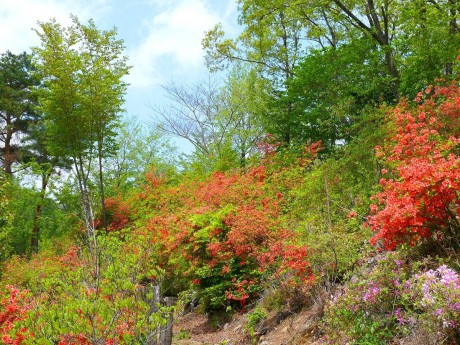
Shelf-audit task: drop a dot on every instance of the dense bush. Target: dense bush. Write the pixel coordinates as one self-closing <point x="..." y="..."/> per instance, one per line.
<point x="420" y="192"/>
<point x="225" y="235"/>
<point x="395" y="297"/>
<point x="71" y="300"/>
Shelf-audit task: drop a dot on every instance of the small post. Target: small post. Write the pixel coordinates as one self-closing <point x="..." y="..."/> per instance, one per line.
<point x="165" y="332"/>
<point x="152" y="337"/>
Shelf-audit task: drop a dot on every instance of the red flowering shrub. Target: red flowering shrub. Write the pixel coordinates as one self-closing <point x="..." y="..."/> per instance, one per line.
<point x="421" y="194"/>
<point x="13" y="311"/>
<point x="118" y="212"/>
<point x="225" y="234"/>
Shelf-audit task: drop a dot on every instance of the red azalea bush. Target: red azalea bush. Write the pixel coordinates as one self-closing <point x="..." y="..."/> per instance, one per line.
<point x="14" y="309"/>
<point x="118" y="211"/>
<point x="225" y="234"/>
<point x="420" y="197"/>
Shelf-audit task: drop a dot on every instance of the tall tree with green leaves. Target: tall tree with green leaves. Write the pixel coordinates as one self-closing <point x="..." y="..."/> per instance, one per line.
<point x="414" y="42"/>
<point x="82" y="98"/>
<point x="17" y="105"/>
<point x="271" y="41"/>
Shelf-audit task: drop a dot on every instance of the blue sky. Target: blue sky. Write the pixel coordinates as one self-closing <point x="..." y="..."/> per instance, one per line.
<point x="162" y="37"/>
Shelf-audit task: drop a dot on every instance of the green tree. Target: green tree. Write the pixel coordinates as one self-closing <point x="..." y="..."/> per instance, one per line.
<point x="139" y="149"/>
<point x="333" y="87"/>
<point x="271" y="41"/>
<point x="408" y="43"/>
<point x="83" y="69"/>
<point x="17" y="105"/>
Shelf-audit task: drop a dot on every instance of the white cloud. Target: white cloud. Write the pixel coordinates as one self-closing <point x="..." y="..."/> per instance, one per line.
<point x="173" y="38"/>
<point x="163" y="37"/>
<point x="18" y="17"/>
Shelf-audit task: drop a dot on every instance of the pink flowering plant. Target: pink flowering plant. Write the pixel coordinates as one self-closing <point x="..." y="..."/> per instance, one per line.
<point x="392" y="298"/>
<point x="365" y="310"/>
<point x="436" y="295"/>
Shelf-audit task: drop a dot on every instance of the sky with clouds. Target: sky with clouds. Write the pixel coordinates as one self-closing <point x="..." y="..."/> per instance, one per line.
<point x="162" y="37"/>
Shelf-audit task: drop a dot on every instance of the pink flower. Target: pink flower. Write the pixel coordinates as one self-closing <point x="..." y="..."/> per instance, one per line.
<point x="401" y="320"/>
<point x="371" y="293"/>
<point x="439" y="312"/>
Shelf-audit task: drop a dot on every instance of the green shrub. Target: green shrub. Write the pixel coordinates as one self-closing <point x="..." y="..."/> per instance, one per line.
<point x="254" y="318"/>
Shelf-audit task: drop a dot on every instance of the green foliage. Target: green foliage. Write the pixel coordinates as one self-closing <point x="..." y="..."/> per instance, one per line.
<point x="327" y="211"/>
<point x="139" y="149"/>
<point x="201" y="164"/>
<point x="432" y="41"/>
<point x="328" y="111"/>
<point x="393" y="295"/>
<point x="17" y="105"/>
<point x="6" y="218"/>
<point x="183" y="334"/>
<point x="254" y="317"/>
<point x="72" y="301"/>
<point x="20" y="208"/>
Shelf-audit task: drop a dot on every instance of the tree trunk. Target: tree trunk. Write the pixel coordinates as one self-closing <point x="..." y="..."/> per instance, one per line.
<point x="101" y="186"/>
<point x="88" y="215"/>
<point x="34" y="238"/>
<point x="36" y="229"/>
<point x="154" y="303"/>
<point x="391" y="65"/>
<point x="8" y="155"/>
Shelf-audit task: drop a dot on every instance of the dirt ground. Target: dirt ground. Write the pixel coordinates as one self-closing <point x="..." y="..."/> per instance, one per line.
<point x="276" y="329"/>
